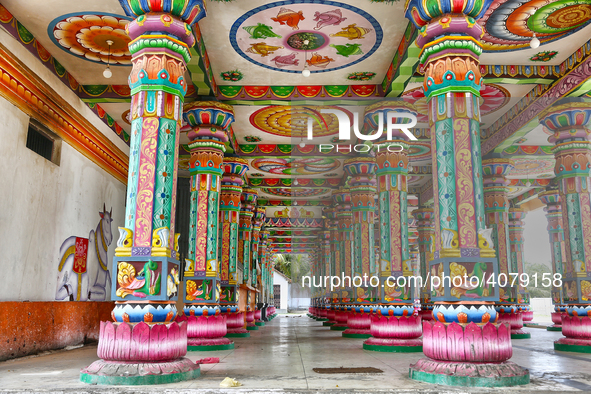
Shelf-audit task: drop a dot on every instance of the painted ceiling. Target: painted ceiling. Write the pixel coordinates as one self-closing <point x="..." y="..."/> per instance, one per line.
<point x="251" y="54"/>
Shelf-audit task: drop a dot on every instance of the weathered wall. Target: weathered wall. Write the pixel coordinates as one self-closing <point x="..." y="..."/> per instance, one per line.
<point x="32" y="327"/>
<point x="42" y="204"/>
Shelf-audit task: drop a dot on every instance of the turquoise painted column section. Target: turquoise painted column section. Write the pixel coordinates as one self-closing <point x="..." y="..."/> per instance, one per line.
<point x="568" y="119"/>
<point x="450" y="40"/>
<point x="145" y="269"/>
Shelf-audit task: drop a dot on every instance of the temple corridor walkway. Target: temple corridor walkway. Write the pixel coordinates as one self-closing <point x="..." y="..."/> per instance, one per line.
<point x="282" y="354"/>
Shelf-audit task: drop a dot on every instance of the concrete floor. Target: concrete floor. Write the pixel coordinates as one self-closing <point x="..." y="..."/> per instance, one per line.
<point x="282" y="354"/>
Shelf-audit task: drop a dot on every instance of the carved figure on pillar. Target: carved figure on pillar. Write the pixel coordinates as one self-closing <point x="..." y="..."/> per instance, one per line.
<point x="567" y="119"/>
<point x="144" y="345"/>
<point x="449" y="38"/>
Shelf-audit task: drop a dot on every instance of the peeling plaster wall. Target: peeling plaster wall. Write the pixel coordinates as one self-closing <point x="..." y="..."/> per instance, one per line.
<point x="42" y="204"/>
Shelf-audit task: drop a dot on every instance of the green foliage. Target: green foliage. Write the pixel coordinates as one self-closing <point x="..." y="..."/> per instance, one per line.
<point x="294" y="266"/>
<point x="537" y="268"/>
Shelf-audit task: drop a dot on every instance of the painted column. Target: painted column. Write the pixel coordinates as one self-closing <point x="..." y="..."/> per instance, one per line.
<point x="567" y="119"/>
<point x="516" y="216"/>
<point x="207" y="125"/>
<point x="145" y="268"/>
<point x="259" y="217"/>
<point x="333" y="226"/>
<point x="449" y="38"/>
<point x="321" y="311"/>
<point x="344" y="222"/>
<point x="249" y="199"/>
<point x="425" y="239"/>
<point x="231" y="191"/>
<point x="393" y="327"/>
<point x="362" y="186"/>
<point x="553" y="209"/>
<point x="496" y="208"/>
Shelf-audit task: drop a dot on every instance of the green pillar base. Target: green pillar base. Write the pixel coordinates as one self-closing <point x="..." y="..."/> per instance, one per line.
<point x="238" y="335"/>
<point x="260" y="323"/>
<point x="521" y="336"/>
<point x="328" y="323"/>
<point x="572" y="348"/>
<point x="356" y="336"/>
<point x="253" y="328"/>
<point x="228" y="346"/>
<point x="322" y="319"/>
<point x="554" y="328"/>
<point x="517" y="375"/>
<point x="338" y="328"/>
<point x="393" y="349"/>
<point x="143" y="380"/>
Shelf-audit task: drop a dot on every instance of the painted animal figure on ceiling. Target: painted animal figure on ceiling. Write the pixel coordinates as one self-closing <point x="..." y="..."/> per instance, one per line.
<point x="328" y="18"/>
<point x="282" y="214"/>
<point x="289" y="17"/>
<point x="87" y="278"/>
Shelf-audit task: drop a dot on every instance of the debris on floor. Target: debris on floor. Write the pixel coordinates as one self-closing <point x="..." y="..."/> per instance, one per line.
<point x="229" y="382"/>
<point x="208" y="360"/>
<point x="348" y="370"/>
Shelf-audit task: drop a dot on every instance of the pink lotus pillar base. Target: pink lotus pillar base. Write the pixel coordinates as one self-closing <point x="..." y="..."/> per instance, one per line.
<point x="468" y="355"/>
<point x="557" y="320"/>
<point x="426" y="314"/>
<point x="207" y="333"/>
<point x="577" y="330"/>
<point x="331" y="316"/>
<point x="395" y="334"/>
<point x="235" y="325"/>
<point x="341" y="318"/>
<point x="515" y="320"/>
<point x="139" y="353"/>
<point x="250" y="323"/>
<point x="359" y="323"/>
<point x="527" y="316"/>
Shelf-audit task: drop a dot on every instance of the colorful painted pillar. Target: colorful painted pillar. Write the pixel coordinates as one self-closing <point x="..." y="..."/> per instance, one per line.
<point x="264" y="282"/>
<point x="567" y="119"/>
<point x="553" y="209"/>
<point x="344" y="222"/>
<point x="259" y="218"/>
<point x="424" y="218"/>
<point x="321" y="311"/>
<point x="496" y="208"/>
<point x="464" y="346"/>
<point x="333" y="294"/>
<point x="249" y="199"/>
<point x="516" y="241"/>
<point x="362" y="186"/>
<point x="231" y="191"/>
<point x="207" y="125"/>
<point x="145" y="270"/>
<point x="394" y="328"/>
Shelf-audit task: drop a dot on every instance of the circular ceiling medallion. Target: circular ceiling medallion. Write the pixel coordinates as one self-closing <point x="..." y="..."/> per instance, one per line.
<point x="419" y="150"/>
<point x="293" y="192"/>
<point x="85" y="35"/>
<point x="512" y="24"/>
<point x="292" y="166"/>
<point x="293" y="121"/>
<point x="286" y="35"/>
<point x="492" y="98"/>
